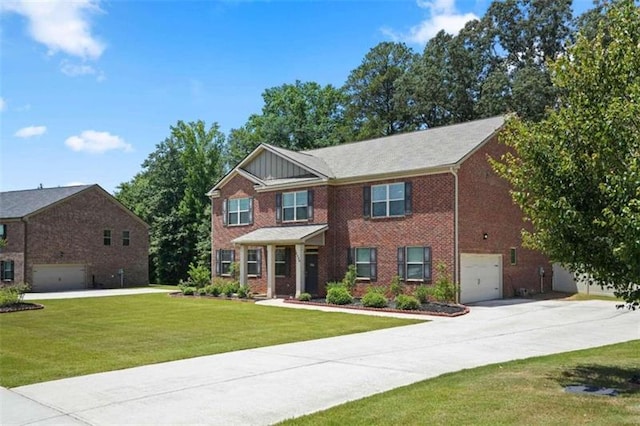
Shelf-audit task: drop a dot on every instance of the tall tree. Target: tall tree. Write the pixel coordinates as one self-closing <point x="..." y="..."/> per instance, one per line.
<point x="169" y="194"/>
<point x="295" y="116"/>
<point x="576" y="174"/>
<point x="373" y="109"/>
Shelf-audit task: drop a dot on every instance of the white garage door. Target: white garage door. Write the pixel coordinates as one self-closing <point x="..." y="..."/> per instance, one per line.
<point x="59" y="277"/>
<point x="480" y="277"/>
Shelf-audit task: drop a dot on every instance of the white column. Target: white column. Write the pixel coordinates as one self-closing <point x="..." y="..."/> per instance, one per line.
<point x="271" y="271"/>
<point x="243" y="265"/>
<point x="299" y="269"/>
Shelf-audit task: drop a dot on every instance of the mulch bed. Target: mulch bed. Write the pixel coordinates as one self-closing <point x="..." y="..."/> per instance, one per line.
<point x="22" y="306"/>
<point x="429" y="308"/>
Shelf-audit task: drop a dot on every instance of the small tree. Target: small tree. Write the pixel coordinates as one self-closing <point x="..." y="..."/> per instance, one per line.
<point x="350" y="278"/>
<point x="444" y="290"/>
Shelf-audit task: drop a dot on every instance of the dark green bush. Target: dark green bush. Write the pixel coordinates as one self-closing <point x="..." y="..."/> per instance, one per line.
<point x="407" y="303"/>
<point x="395" y="287"/>
<point x="187" y="290"/>
<point x="339" y="296"/>
<point x="444" y="290"/>
<point x="243" y="291"/>
<point x="305" y="297"/>
<point x="230" y="288"/>
<point x="12" y="294"/>
<point x="374" y="299"/>
<point x="198" y="276"/>
<point x="423" y="293"/>
<point x="201" y="291"/>
<point x="212" y="290"/>
<point x="350" y="278"/>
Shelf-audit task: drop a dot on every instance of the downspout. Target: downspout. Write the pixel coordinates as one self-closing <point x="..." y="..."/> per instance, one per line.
<point x="456" y="262"/>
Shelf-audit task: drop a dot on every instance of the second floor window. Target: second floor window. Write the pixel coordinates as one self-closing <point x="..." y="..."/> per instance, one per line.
<point x="125" y="238"/>
<point x="388" y="200"/>
<point x="3" y="231"/>
<point x="294" y="206"/>
<point x="239" y="211"/>
<point x="106" y="237"/>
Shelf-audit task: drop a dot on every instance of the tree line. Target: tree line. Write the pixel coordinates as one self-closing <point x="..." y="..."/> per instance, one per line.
<point x="494" y="65"/>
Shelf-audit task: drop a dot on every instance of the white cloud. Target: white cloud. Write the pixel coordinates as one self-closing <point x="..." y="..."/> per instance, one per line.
<point x="3" y="104"/>
<point x="31" y="131"/>
<point x="97" y="142"/>
<point x="61" y="25"/>
<point x="76" y="183"/>
<point x="443" y="15"/>
<point x="75" y="70"/>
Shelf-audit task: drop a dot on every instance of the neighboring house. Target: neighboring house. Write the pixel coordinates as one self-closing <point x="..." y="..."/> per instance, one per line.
<point x="397" y="205"/>
<point x="69" y="238"/>
<point x="567" y="282"/>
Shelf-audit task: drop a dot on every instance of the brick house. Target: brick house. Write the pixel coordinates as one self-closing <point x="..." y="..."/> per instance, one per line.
<point x="70" y="238"/>
<point x="398" y="205"/>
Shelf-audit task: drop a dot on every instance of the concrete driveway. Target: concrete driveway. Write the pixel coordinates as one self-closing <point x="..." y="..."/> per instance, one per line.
<point x="266" y="385"/>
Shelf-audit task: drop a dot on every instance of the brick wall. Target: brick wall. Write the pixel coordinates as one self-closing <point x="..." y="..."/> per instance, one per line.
<point x="486" y="207"/>
<point x="14" y="250"/>
<point x="71" y="232"/>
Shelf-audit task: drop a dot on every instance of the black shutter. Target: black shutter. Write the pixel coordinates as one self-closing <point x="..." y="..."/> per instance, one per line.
<point x="278" y="207"/>
<point x="250" y="210"/>
<point x="427" y="263"/>
<point x="366" y="201"/>
<point x="408" y="204"/>
<point x="401" y="265"/>
<point x="225" y="216"/>
<point x="287" y="261"/>
<point x="2" y="270"/>
<point x="13" y="270"/>
<point x="218" y="263"/>
<point x="310" y="205"/>
<point x="373" y="253"/>
<point x="351" y="256"/>
<point x="259" y="262"/>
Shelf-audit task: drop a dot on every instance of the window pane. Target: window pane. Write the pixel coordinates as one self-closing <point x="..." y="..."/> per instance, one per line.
<point x="252" y="268"/>
<point x="301" y="198"/>
<point x="287" y="214"/>
<point x="379" y="209"/>
<point x="252" y="255"/>
<point x="225" y="255"/>
<point x="363" y="270"/>
<point x="414" y="272"/>
<point x="233" y="218"/>
<point x="301" y="213"/>
<point x="225" y="268"/>
<point x="396" y="208"/>
<point x="396" y="191"/>
<point x="280" y="255"/>
<point x="363" y="255"/>
<point x="244" y="217"/>
<point x="233" y="205"/>
<point x="244" y="203"/>
<point x="281" y="269"/>
<point x="415" y="254"/>
<point x="288" y="199"/>
<point x="379" y="193"/>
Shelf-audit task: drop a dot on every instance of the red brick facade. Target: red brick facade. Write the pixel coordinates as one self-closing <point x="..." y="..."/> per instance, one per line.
<point x="71" y="233"/>
<point x="485" y="206"/>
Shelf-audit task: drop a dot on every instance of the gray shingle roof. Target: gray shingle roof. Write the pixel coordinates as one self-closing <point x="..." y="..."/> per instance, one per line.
<point x="18" y="204"/>
<point x="440" y="146"/>
<point x="281" y="234"/>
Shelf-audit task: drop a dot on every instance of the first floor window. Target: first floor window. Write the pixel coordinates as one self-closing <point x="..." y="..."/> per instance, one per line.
<point x="125" y="238"/>
<point x="365" y="260"/>
<point x="414" y="263"/>
<point x="3" y="231"/>
<point x="254" y="262"/>
<point x="513" y="256"/>
<point x="6" y="269"/>
<point x="224" y="259"/>
<point x="282" y="261"/>
<point x="106" y="237"/>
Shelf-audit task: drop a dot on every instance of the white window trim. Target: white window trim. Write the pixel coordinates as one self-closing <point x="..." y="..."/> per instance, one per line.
<point x="387" y="200"/>
<point x="223" y="262"/>
<point x="239" y="212"/>
<point x="356" y="262"/>
<point x="281" y="262"/>
<point x="421" y="263"/>
<point x="254" y="262"/>
<point x="295" y="207"/>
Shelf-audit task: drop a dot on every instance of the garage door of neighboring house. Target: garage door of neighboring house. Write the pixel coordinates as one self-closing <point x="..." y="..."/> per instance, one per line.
<point x="480" y="277"/>
<point x="59" y="277"/>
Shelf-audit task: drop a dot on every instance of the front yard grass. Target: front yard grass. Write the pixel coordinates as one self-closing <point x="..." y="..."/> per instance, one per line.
<point x="72" y="337"/>
<point x="527" y="392"/>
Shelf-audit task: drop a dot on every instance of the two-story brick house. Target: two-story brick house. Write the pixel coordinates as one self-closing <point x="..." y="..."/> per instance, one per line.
<point x="397" y="205"/>
<point x="71" y="238"/>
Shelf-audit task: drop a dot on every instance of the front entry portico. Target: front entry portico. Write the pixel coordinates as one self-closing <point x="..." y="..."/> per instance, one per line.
<point x="271" y="237"/>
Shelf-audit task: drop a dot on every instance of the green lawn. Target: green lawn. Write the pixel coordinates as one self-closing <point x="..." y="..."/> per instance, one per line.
<point x="79" y="336"/>
<point x="527" y="392"/>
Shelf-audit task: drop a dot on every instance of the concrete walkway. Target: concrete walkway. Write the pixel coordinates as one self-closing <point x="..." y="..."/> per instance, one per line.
<point x="266" y="385"/>
<point x="93" y="293"/>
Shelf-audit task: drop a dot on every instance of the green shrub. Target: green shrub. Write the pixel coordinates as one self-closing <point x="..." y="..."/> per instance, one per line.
<point x="334" y="284"/>
<point x="187" y="290"/>
<point x="395" y="287"/>
<point x="305" y="297"/>
<point x="339" y="296"/>
<point x="350" y="277"/>
<point x="201" y="291"/>
<point x="244" y="291"/>
<point x="423" y="293"/>
<point x="407" y="303"/>
<point x="212" y="290"/>
<point x="374" y="299"/>
<point x="12" y="294"/>
<point x="444" y="290"/>
<point x="230" y="287"/>
<point x="198" y="276"/>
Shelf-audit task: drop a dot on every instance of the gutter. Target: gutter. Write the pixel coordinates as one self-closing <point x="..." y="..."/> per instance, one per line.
<point x="456" y="244"/>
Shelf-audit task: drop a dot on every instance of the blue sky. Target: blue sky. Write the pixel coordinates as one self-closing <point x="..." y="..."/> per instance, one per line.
<point x="88" y="88"/>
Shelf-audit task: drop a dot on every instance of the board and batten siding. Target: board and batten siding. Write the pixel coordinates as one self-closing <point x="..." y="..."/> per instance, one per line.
<point x="270" y="166"/>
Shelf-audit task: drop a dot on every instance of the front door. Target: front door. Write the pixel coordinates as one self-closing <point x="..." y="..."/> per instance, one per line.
<point x="311" y="273"/>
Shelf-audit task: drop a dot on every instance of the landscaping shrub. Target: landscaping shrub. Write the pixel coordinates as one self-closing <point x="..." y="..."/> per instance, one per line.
<point x="198" y="276"/>
<point x="230" y="287"/>
<point x="374" y="298"/>
<point x="201" y="291"/>
<point x="350" y="277"/>
<point x="407" y="303"/>
<point x="339" y="296"/>
<point x="187" y="290"/>
<point x="12" y="294"/>
<point x="395" y="287"/>
<point x="244" y="291"/>
<point x="334" y="284"/>
<point x="304" y="297"/>
<point x="212" y="290"/>
<point x="423" y="293"/>
<point x="444" y="290"/>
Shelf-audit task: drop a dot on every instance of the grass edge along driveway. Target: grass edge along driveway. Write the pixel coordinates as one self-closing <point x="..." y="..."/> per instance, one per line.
<point x="73" y="337"/>
<point x="529" y="391"/>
